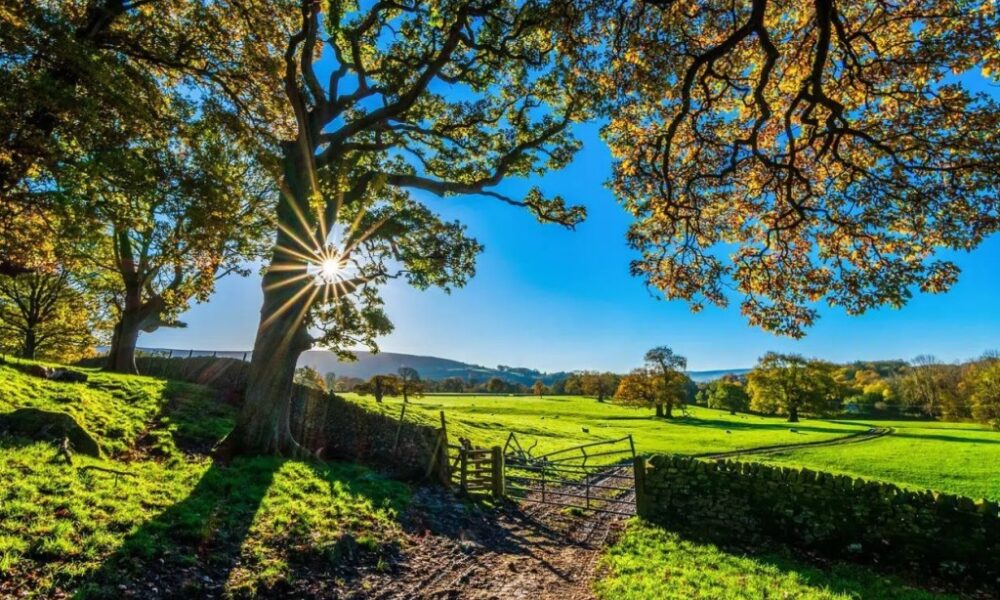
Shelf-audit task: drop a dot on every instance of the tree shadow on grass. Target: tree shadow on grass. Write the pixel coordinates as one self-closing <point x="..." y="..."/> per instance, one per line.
<point x="851" y="580"/>
<point x="189" y="549"/>
<point x="203" y="546"/>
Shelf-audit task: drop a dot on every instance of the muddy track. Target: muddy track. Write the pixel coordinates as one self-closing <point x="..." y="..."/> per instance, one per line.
<point x="855" y="438"/>
<point x="458" y="550"/>
<point x="522" y="550"/>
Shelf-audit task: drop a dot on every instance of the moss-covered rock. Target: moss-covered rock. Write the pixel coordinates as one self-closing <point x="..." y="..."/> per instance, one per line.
<point x="38" y="424"/>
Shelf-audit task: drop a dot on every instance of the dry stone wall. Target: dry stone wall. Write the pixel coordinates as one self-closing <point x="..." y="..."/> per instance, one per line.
<point x="924" y="533"/>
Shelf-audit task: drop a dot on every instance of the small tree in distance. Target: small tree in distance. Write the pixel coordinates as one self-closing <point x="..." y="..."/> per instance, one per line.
<point x="496" y="385"/>
<point x="380" y="386"/>
<point x="538" y="388"/>
<point x="727" y="393"/>
<point x="669" y="369"/>
<point x="48" y="315"/>
<point x="410" y="383"/>
<point x="787" y="383"/>
<point x="639" y="389"/>
<point x="599" y="385"/>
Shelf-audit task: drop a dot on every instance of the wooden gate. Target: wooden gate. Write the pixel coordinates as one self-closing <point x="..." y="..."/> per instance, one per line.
<point x="476" y="471"/>
<point x="598" y="476"/>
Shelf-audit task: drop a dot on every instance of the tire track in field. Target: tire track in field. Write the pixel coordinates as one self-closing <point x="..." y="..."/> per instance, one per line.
<point x="855" y="438"/>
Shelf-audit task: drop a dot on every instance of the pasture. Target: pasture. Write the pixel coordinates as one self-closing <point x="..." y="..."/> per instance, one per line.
<point x="262" y="525"/>
<point x="957" y="458"/>
<point x="98" y="526"/>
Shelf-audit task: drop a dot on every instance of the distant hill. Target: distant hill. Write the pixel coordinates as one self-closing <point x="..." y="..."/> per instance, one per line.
<point x="705" y="376"/>
<point x="429" y="367"/>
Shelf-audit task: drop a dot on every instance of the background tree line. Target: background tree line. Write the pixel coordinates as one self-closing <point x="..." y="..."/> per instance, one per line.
<point x="788" y="385"/>
<point x="925" y="387"/>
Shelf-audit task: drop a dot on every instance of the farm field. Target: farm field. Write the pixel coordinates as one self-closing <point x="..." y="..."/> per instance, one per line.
<point x="265" y="526"/>
<point x="956" y="458"/>
<point x="560" y="421"/>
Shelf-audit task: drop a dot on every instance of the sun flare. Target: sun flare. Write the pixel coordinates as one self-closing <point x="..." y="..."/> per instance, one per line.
<point x="330" y="268"/>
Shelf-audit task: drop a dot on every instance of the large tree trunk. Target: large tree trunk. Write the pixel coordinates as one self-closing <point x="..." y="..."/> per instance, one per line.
<point x="263" y="424"/>
<point x="793" y="413"/>
<point x="30" y="346"/>
<point x="137" y="315"/>
<point x="659" y="410"/>
<point x="121" y="356"/>
<point x="668" y="410"/>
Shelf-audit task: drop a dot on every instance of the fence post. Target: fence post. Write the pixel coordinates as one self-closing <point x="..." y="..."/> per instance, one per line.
<point x="399" y="430"/>
<point x="499" y="487"/>
<point x="543" y="483"/>
<point x="639" y="471"/>
<point x="464" y="466"/>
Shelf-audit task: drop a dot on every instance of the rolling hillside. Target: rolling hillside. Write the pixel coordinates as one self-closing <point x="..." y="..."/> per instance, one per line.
<point x="429" y="367"/>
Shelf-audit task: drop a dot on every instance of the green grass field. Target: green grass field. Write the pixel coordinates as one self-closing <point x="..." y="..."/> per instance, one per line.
<point x="266" y="522"/>
<point x="64" y="529"/>
<point x="957" y="458"/>
<point x="559" y="421"/>
<point x="650" y="562"/>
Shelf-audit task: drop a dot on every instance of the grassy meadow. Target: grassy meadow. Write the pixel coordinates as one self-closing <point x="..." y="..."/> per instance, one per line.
<point x="259" y="525"/>
<point x="559" y="421"/>
<point x="250" y="526"/>
<point x="957" y="458"/>
<point x="651" y="562"/>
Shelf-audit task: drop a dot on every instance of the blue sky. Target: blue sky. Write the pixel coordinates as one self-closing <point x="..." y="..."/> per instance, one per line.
<point x="553" y="299"/>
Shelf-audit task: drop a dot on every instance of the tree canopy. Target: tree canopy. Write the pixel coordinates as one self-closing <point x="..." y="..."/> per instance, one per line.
<point x="787" y="383"/>
<point x="668" y="368"/>
<point x="80" y="76"/>
<point x="827" y="147"/>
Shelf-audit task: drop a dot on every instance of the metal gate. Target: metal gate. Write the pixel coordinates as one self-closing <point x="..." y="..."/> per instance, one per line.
<point x="598" y="476"/>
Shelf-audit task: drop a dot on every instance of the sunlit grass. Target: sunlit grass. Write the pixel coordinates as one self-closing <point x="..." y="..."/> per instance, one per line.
<point x="559" y="421"/>
<point x="650" y="562"/>
<point x="958" y="458"/>
<point x="257" y="520"/>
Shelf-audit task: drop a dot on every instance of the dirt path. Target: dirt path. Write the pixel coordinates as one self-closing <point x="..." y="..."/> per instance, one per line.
<point x="529" y="551"/>
<point x="462" y="551"/>
<point x="865" y="436"/>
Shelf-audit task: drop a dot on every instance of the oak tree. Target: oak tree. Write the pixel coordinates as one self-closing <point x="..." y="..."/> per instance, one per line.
<point x="446" y="98"/>
<point x="177" y="212"/>
<point x="727" y="393"/>
<point x="597" y="384"/>
<point x="410" y="383"/>
<point x="639" y="388"/>
<point x="49" y="315"/>
<point x="668" y="369"/>
<point x="788" y="383"/>
<point x="826" y="147"/>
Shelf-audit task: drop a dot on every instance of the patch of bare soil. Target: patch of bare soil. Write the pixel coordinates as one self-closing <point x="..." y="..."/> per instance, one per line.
<point x="526" y="550"/>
